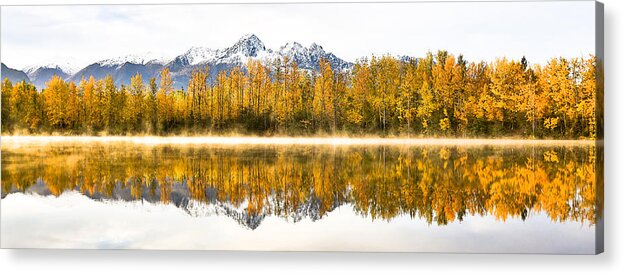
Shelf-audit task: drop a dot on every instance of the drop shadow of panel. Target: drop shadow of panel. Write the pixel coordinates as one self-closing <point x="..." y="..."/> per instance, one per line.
<point x="297" y="259"/>
<point x="599" y="118"/>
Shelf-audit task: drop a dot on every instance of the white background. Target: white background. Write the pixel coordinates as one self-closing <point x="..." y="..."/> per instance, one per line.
<point x="121" y="261"/>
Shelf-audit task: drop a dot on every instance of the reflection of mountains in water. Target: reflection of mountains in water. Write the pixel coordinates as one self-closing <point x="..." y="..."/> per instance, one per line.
<point x="180" y="197"/>
<point x="438" y="185"/>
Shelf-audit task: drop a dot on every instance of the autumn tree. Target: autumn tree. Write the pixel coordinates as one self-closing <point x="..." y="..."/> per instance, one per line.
<point x="135" y="110"/>
<point x="56" y="94"/>
<point x="164" y="102"/>
<point x="324" y="94"/>
<point x="7" y="89"/>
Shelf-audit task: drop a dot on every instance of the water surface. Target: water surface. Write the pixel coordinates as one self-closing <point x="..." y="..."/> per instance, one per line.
<point x="401" y="196"/>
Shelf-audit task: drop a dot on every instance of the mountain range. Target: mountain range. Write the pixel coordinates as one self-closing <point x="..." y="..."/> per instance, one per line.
<point x="181" y="66"/>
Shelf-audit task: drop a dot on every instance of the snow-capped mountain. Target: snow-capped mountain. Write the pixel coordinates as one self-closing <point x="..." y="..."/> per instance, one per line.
<point x="150" y="64"/>
<point x="197" y="55"/>
<point x="66" y="68"/>
<point x="308" y="58"/>
<point x="39" y="75"/>
<point x="124" y="67"/>
<point x="247" y="47"/>
<point x="251" y="47"/>
<point x="138" y="59"/>
<point x="42" y="72"/>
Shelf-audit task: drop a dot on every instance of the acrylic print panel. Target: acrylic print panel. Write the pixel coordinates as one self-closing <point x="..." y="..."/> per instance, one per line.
<point x="419" y="127"/>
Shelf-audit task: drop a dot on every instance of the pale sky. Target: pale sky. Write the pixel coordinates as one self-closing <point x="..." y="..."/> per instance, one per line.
<point x="478" y="30"/>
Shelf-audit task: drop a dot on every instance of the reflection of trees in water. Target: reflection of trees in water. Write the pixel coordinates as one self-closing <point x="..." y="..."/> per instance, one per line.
<point x="438" y="184"/>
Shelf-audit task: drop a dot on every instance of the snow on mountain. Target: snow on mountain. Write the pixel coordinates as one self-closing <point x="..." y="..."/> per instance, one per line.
<point x="308" y="57"/>
<point x="138" y="59"/>
<point x="247" y="47"/>
<point x="62" y="64"/>
<point x="149" y="64"/>
<point x="41" y="73"/>
<point x="198" y="55"/>
<point x="67" y="68"/>
<point x="251" y="47"/>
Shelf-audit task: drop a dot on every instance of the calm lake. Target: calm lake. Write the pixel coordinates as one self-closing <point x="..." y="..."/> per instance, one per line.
<point x="456" y="196"/>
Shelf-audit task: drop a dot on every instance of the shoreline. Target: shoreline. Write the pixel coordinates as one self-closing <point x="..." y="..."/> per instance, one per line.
<point x="335" y="141"/>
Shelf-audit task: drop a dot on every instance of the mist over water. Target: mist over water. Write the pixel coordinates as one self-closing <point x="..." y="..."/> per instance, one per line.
<point x="250" y="140"/>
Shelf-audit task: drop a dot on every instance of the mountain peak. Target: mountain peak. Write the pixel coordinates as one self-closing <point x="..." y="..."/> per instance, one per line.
<point x="67" y="65"/>
<point x="249" y="45"/>
<point x="249" y="37"/>
<point x="30" y="70"/>
<point x="316" y="48"/>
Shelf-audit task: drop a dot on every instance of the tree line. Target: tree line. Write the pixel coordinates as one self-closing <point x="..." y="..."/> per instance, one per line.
<point x="438" y="95"/>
